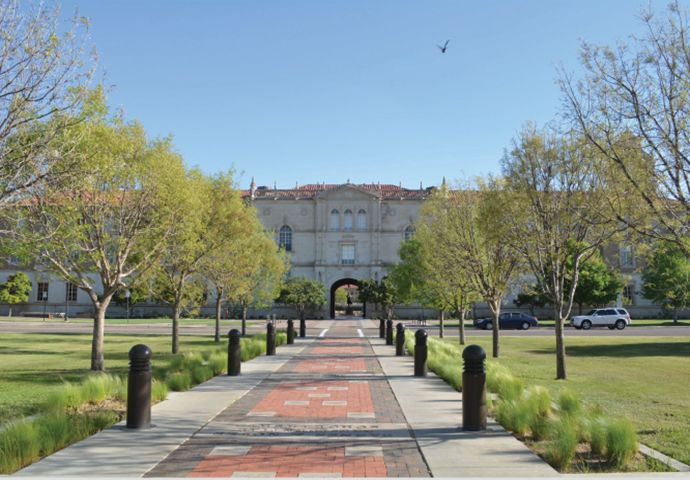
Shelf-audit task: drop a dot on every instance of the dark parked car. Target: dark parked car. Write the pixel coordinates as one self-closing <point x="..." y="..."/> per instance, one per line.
<point x="520" y="321"/>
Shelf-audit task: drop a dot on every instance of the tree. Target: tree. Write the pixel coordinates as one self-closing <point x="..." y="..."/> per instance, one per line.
<point x="532" y="297"/>
<point x="247" y="269"/>
<point x="598" y="284"/>
<point x="102" y="229"/>
<point x="557" y="216"/>
<point x="367" y="293"/>
<point x="666" y="277"/>
<point x="474" y="225"/>
<point x="632" y="106"/>
<point x="445" y="282"/>
<point x="43" y="73"/>
<point x="15" y="290"/>
<point x="303" y="294"/>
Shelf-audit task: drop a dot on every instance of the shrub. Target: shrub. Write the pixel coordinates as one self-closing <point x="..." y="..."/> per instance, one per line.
<point x="561" y="449"/>
<point x="568" y="402"/>
<point x="621" y="442"/>
<point x="159" y="391"/>
<point x="179" y="381"/>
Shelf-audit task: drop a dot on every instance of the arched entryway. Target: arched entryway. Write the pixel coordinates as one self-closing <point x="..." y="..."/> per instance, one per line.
<point x="350" y="287"/>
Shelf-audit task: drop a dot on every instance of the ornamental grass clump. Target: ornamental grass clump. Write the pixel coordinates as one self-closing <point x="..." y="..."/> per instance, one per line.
<point x="568" y="403"/>
<point x="560" y="450"/>
<point x="598" y="433"/>
<point x="19" y="446"/>
<point x="218" y="361"/>
<point x="179" y="381"/>
<point x="159" y="391"/>
<point x="621" y="442"/>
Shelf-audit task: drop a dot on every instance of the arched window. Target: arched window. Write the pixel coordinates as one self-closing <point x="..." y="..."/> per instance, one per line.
<point x="335" y="219"/>
<point x="408" y="233"/>
<point x="285" y="238"/>
<point x="362" y="220"/>
<point x="348" y="220"/>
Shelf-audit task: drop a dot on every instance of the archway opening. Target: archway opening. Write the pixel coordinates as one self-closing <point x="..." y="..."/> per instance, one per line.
<point x="345" y="301"/>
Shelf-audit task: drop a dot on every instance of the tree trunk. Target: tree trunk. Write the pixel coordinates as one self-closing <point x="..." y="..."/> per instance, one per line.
<point x="219" y="301"/>
<point x="675" y="315"/>
<point x="560" y="344"/>
<point x="97" y="357"/>
<point x="176" y="326"/>
<point x="495" y="307"/>
<point x="461" y="325"/>
<point x="579" y="308"/>
<point x="244" y="320"/>
<point x="10" y="313"/>
<point x="441" y="319"/>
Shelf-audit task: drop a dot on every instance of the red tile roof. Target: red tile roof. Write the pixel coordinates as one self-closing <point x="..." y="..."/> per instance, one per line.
<point x="386" y="191"/>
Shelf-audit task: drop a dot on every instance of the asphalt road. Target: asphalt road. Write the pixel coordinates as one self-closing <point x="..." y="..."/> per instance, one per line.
<point x="450" y="330"/>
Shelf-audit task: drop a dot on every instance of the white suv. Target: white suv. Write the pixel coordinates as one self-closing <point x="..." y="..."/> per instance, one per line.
<point x="602" y="317"/>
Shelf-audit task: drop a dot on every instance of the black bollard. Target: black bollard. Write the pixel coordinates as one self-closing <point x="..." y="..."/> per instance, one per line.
<point x="420" y="353"/>
<point x="400" y="340"/>
<point x="139" y="387"/>
<point x="270" y="339"/>
<point x="291" y="332"/>
<point x="234" y="353"/>
<point x="382" y="328"/>
<point x="474" y="389"/>
<point x="302" y="328"/>
<point x="389" y="332"/>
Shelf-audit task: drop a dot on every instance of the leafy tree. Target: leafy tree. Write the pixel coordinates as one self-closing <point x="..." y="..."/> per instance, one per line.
<point x="367" y="293"/>
<point x="15" y="290"/>
<point x="557" y="216"/>
<point x="598" y="284"/>
<point x="103" y="229"/>
<point x="43" y="73"/>
<point x="444" y="282"/>
<point x="248" y="269"/>
<point x="632" y="106"/>
<point x="303" y="294"/>
<point x="666" y="277"/>
<point x="532" y="297"/>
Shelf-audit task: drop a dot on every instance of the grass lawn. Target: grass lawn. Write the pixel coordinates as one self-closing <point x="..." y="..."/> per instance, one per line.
<point x="34" y="364"/>
<point x="138" y="321"/>
<point x="644" y="379"/>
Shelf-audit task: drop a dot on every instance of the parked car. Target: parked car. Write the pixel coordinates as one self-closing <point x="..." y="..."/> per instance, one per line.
<point x="602" y="317"/>
<point x="507" y="320"/>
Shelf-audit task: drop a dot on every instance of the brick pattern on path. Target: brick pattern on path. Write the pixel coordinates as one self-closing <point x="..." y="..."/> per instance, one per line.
<point x="328" y="412"/>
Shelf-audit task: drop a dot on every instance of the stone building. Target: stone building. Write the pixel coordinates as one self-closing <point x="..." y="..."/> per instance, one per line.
<point x="339" y="234"/>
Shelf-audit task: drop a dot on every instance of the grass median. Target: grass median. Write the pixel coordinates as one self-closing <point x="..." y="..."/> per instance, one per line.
<point x="644" y="379"/>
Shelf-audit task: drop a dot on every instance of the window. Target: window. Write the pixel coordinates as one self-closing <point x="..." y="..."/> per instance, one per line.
<point x="335" y="220"/>
<point x="42" y="295"/>
<point x="348" y="255"/>
<point x="362" y="220"/>
<point x="348" y="220"/>
<point x="628" y="294"/>
<point x="409" y="233"/>
<point x="70" y="292"/>
<point x="626" y="256"/>
<point x="285" y="238"/>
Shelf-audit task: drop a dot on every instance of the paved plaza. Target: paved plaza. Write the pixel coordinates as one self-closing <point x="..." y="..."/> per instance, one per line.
<point x="336" y="405"/>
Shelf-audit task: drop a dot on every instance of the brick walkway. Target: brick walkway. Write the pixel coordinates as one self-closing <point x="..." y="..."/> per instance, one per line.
<point x="328" y="412"/>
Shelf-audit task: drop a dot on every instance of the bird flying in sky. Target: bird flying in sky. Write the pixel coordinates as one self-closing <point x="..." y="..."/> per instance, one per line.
<point x="444" y="47"/>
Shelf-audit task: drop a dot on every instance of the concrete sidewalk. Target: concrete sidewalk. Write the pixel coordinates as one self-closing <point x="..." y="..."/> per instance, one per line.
<point x="118" y="451"/>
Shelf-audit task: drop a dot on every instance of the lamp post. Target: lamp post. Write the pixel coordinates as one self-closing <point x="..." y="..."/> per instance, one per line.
<point x="45" y="304"/>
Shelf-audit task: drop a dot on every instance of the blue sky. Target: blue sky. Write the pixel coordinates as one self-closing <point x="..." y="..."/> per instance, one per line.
<point x="330" y="90"/>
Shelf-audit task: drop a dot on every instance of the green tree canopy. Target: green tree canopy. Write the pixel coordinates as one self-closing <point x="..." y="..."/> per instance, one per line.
<point x="304" y="294"/>
<point x="666" y="278"/>
<point x="15" y="290"/>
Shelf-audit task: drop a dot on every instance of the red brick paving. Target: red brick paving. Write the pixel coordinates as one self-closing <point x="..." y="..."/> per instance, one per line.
<point x="338" y="350"/>
<point x="357" y="396"/>
<point x="334" y="365"/>
<point x="290" y="461"/>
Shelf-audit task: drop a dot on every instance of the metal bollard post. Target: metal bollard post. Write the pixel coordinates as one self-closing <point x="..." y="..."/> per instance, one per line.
<point x="400" y="340"/>
<point x="474" y="389"/>
<point x="270" y="339"/>
<point x="302" y="328"/>
<point x="420" y="353"/>
<point x="234" y="353"/>
<point x="382" y="328"/>
<point x="139" y="387"/>
<point x="291" y="332"/>
<point x="389" y="332"/>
